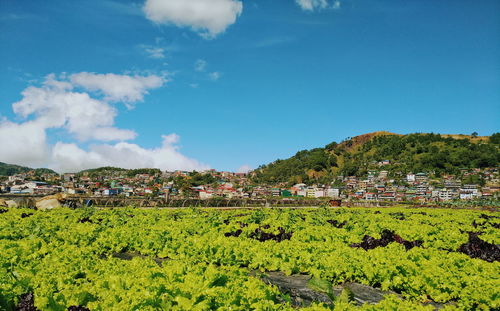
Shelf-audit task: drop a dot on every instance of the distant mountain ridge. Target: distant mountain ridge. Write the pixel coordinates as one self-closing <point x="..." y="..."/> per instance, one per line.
<point x="11" y="169"/>
<point x="396" y="153"/>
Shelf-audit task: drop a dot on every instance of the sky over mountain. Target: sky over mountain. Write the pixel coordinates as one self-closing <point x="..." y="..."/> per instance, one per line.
<point x="108" y="82"/>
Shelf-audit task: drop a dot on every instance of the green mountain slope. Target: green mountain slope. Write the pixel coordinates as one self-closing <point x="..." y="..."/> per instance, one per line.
<point x="432" y="153"/>
<point x="11" y="169"/>
<point x="117" y="171"/>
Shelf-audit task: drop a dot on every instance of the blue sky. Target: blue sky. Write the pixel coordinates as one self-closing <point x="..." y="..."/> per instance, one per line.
<point x="250" y="82"/>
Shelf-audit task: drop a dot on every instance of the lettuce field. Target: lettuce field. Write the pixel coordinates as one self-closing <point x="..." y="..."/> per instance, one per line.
<point x="249" y="259"/>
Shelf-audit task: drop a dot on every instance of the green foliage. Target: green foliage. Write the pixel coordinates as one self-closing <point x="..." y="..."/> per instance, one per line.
<point x="495" y="139"/>
<point x="184" y="261"/>
<point x="431" y="153"/>
<point x="197" y="179"/>
<point x="117" y="171"/>
<point x="102" y="171"/>
<point x="11" y="169"/>
<point x="286" y="170"/>
<point x="321" y="286"/>
<point x="474" y="179"/>
<point x="148" y="171"/>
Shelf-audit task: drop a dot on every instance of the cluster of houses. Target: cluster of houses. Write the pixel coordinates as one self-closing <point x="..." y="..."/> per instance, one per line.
<point x="375" y="186"/>
<point x="387" y="191"/>
<point x="120" y="184"/>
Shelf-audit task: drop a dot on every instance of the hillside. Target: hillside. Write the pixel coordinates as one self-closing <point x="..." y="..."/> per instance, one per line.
<point x="11" y="169"/>
<point x="116" y="171"/>
<point x="398" y="154"/>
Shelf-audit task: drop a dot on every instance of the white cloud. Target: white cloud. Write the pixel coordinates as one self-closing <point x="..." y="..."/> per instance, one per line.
<point x="70" y="157"/>
<point x="244" y="169"/>
<point x="207" y="17"/>
<point x="56" y="105"/>
<point x="312" y="5"/>
<point x="200" y="65"/>
<point x="155" y="52"/>
<point x="23" y="144"/>
<point x="214" y="76"/>
<point x="122" y="88"/>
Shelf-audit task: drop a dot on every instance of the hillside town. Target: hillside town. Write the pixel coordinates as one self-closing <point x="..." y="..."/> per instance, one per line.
<point x="471" y="184"/>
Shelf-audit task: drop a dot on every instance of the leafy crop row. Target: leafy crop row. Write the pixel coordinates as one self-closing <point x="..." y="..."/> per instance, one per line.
<point x="191" y="259"/>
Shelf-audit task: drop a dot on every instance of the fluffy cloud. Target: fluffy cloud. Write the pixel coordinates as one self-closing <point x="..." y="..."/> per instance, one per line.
<point x="56" y="104"/>
<point x="70" y="157"/>
<point x="122" y="88"/>
<point x="23" y="144"/>
<point x="311" y="5"/>
<point x="207" y="17"/>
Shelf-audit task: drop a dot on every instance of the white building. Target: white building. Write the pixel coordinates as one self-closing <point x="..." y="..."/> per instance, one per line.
<point x="319" y="193"/>
<point x="469" y="192"/>
<point x="310" y="192"/>
<point x="205" y="194"/>
<point x="410" y="177"/>
<point x="446" y="195"/>
<point x="333" y="192"/>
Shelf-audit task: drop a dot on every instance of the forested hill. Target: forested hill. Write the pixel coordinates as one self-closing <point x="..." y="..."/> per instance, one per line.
<point x="11" y="169"/>
<point x="397" y="154"/>
<point x="117" y="171"/>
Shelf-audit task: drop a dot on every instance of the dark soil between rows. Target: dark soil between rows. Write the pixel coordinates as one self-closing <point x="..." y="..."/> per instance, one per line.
<point x="261" y="235"/>
<point x="487" y="221"/>
<point x="88" y="220"/>
<point x="487" y="217"/>
<point x="477" y="248"/>
<point x="84" y="220"/>
<point x="398" y="216"/>
<point x="235" y="234"/>
<point x="24" y="215"/>
<point x="26" y="303"/>
<point x="336" y="223"/>
<point x="78" y="308"/>
<point x="387" y="237"/>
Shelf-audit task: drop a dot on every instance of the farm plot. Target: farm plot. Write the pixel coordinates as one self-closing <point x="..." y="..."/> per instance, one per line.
<point x="253" y="259"/>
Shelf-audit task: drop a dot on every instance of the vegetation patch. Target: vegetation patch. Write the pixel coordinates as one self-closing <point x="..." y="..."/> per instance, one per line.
<point x="180" y="259"/>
